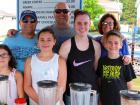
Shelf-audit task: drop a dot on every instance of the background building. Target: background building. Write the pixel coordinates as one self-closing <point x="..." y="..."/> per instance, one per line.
<point x="112" y="6"/>
<point x="7" y="21"/>
<point x="138" y="12"/>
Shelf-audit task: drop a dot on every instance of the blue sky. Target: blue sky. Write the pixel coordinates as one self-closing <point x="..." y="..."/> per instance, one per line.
<point x="8" y="6"/>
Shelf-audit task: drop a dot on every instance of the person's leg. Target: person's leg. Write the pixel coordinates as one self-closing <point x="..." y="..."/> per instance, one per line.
<point x="27" y="98"/>
<point x="93" y="101"/>
<point x="67" y="100"/>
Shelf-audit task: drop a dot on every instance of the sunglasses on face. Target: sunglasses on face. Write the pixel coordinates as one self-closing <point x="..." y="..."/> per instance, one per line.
<point x="4" y="55"/>
<point x="64" y="11"/>
<point x="108" y="23"/>
<point x="29" y="20"/>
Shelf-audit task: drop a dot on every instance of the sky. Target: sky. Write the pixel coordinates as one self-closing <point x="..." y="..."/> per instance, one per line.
<point x="8" y="6"/>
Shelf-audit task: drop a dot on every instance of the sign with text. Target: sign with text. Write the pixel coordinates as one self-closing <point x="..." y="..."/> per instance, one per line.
<point x="44" y="10"/>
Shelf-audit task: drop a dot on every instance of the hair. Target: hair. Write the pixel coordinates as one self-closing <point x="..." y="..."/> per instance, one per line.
<point x="113" y="33"/>
<point x="61" y="3"/>
<point x="12" y="62"/>
<point x="78" y="12"/>
<point x="103" y="18"/>
<point x="47" y="29"/>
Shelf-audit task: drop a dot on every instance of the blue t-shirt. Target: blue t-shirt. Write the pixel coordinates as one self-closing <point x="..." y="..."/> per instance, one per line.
<point x="21" y="48"/>
<point x="123" y="50"/>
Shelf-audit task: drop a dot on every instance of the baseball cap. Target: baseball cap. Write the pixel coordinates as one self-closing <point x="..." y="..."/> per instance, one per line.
<point x="28" y="13"/>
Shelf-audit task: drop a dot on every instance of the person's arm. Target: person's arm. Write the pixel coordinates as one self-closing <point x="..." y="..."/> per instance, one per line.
<point x="126" y="59"/>
<point x="62" y="73"/>
<point x="62" y="79"/>
<point x="19" y="82"/>
<point x="28" y="81"/>
<point x="130" y="85"/>
<point x="97" y="49"/>
<point x="129" y="75"/>
<point x="65" y="49"/>
<point x="63" y="52"/>
<point x="125" y="52"/>
<point x="11" y="32"/>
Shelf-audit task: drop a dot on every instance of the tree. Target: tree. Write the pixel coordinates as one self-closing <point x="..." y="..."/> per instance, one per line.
<point x="93" y="8"/>
<point x="129" y="11"/>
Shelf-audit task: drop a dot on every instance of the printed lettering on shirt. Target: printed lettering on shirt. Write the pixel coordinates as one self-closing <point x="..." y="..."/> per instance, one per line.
<point x="111" y="72"/>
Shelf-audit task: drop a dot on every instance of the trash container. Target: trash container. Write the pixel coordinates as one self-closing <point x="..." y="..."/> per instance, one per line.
<point x="47" y="92"/>
<point x="80" y="94"/>
<point x="3" y="89"/>
<point x="130" y="97"/>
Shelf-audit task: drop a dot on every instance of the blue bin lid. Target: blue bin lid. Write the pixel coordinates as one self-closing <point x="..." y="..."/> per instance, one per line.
<point x="47" y="84"/>
<point x="3" y="77"/>
<point x="80" y="86"/>
<point x="130" y="94"/>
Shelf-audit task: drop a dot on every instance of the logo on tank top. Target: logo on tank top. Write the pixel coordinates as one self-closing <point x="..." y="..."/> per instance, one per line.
<point x="76" y="64"/>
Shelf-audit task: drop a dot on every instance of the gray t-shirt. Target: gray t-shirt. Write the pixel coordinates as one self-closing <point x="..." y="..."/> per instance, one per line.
<point x="62" y="35"/>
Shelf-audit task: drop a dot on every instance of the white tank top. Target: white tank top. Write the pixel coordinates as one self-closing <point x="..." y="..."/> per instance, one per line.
<point x="12" y="90"/>
<point x="43" y="70"/>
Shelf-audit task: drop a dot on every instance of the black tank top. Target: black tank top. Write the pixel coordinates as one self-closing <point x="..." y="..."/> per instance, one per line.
<point x="80" y="65"/>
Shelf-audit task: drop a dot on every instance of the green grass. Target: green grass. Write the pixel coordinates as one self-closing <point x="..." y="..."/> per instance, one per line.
<point x="136" y="83"/>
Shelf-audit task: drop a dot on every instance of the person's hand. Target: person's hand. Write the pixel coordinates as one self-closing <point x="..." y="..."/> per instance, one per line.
<point x="11" y="32"/>
<point x="126" y="59"/>
<point x="60" y="102"/>
<point x="59" y="96"/>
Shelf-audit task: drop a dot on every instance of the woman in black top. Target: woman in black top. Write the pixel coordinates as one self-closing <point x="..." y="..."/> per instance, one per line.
<point x="82" y="54"/>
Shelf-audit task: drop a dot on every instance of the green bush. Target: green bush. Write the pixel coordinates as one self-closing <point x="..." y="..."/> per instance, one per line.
<point x="92" y="28"/>
<point x="94" y="25"/>
<point x="95" y="22"/>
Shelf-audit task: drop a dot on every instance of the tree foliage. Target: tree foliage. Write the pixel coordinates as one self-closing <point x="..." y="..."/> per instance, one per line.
<point x="94" y="9"/>
<point x="129" y="11"/>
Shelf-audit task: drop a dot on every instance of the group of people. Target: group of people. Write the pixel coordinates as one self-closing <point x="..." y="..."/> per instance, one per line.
<point x="67" y="55"/>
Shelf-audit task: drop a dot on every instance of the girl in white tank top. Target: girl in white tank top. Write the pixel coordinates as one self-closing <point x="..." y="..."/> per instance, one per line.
<point x="45" y="65"/>
<point x="15" y="80"/>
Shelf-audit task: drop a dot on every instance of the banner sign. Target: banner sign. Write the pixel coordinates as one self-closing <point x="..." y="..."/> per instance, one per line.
<point x="44" y="10"/>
